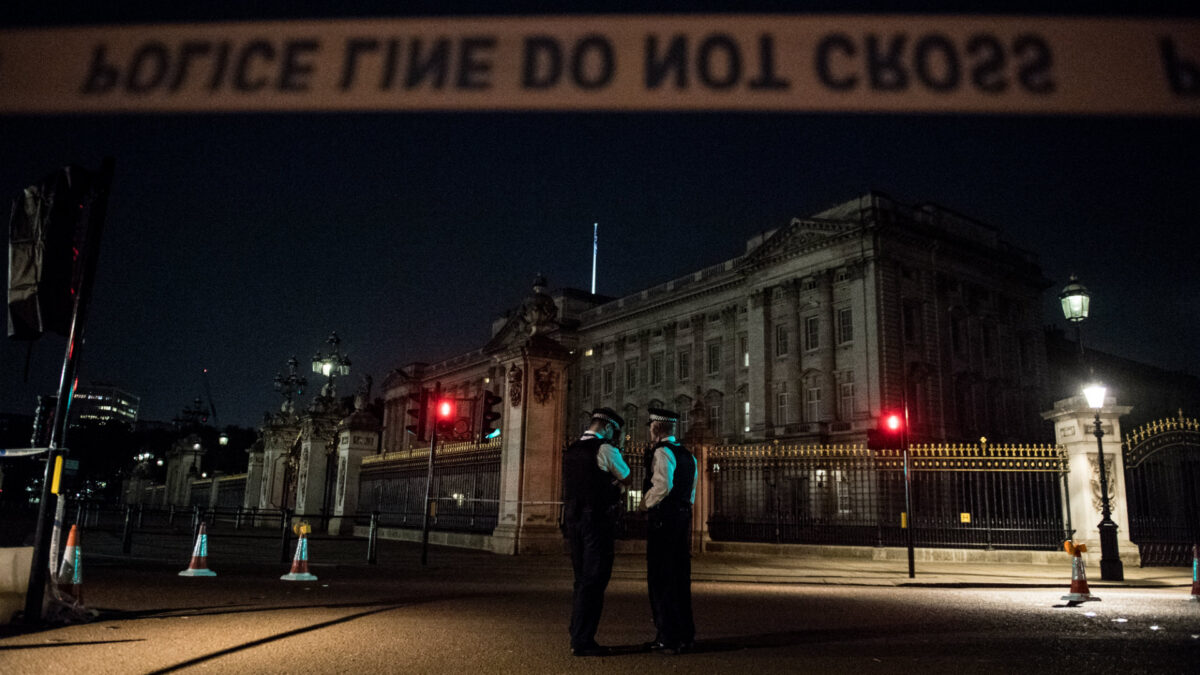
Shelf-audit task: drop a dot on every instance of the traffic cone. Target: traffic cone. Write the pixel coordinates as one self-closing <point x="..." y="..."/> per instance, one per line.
<point x="300" y="562"/>
<point x="198" y="567"/>
<point x="70" y="573"/>
<point x="1079" y="585"/>
<point x="1196" y="573"/>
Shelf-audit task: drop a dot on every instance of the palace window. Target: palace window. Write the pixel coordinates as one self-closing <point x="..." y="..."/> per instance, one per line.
<point x="587" y="385"/>
<point x="781" y="340"/>
<point x="846" y="396"/>
<point x="685" y="364"/>
<point x="812" y="404"/>
<point x="744" y="348"/>
<point x="782" y="413"/>
<point x="609" y="368"/>
<point x="631" y="374"/>
<point x="714" y="358"/>
<point x="812" y="333"/>
<point x="656" y="369"/>
<point x="845" y="332"/>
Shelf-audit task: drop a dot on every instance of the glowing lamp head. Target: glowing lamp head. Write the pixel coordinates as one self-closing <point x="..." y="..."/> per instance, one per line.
<point x="893" y="422"/>
<point x="1095" y="395"/>
<point x="444" y="409"/>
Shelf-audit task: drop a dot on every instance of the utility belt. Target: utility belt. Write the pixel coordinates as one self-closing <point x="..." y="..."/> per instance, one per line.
<point x="670" y="505"/>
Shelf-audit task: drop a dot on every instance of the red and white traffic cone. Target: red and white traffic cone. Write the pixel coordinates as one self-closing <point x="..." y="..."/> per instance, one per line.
<point x="1195" y="572"/>
<point x="198" y="567"/>
<point x="300" y="562"/>
<point x="1079" y="585"/>
<point x="70" y="573"/>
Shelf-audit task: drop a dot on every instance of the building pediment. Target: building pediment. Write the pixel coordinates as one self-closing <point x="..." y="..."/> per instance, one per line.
<point x="800" y="236"/>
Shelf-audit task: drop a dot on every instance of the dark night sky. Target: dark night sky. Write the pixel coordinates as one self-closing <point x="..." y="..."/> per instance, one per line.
<point x="237" y="240"/>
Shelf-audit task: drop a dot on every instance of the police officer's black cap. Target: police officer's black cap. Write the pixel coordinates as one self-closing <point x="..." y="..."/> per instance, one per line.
<point x="608" y="415"/>
<point x="662" y="415"/>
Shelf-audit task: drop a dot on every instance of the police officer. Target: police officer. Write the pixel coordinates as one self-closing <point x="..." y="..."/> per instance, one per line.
<point x="593" y="477"/>
<point x="670" y="491"/>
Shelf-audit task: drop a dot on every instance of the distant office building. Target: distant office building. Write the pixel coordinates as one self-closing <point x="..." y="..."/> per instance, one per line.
<point x="809" y="335"/>
<point x="103" y="403"/>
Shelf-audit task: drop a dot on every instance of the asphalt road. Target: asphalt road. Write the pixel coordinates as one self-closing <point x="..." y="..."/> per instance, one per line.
<point x="465" y="615"/>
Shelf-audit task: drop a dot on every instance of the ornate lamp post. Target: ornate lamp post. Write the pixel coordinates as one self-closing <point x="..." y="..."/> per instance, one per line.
<point x="1110" y="559"/>
<point x="331" y="365"/>
<point x="1075" y="303"/>
<point x="290" y="386"/>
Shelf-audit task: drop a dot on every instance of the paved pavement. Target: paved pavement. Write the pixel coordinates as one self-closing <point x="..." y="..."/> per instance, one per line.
<point x="264" y="548"/>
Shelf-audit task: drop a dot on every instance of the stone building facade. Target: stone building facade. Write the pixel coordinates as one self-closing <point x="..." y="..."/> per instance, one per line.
<point x="809" y="335"/>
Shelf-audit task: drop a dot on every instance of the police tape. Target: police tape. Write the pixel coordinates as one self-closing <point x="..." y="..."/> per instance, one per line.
<point x="805" y="63"/>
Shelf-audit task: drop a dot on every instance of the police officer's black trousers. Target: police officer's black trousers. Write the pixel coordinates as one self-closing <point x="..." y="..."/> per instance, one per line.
<point x="669" y="572"/>
<point x="591" y="539"/>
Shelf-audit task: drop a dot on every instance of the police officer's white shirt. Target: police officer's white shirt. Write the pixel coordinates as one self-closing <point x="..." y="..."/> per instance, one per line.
<point x="663" y="478"/>
<point x="608" y="458"/>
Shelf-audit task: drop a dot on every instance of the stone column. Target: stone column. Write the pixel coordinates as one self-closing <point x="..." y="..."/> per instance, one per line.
<point x="1074" y="425"/>
<point x="358" y="437"/>
<point x="318" y="432"/>
<point x="533" y="427"/>
<point x="254" y="477"/>
<point x="279" y="435"/>
<point x="758" y="389"/>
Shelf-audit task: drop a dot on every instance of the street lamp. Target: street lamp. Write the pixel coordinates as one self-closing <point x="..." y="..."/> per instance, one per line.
<point x="331" y="365"/>
<point x="1075" y="303"/>
<point x="290" y="386"/>
<point x="1110" y="559"/>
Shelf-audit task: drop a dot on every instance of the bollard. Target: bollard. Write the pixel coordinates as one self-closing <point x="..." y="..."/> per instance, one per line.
<point x="373" y="538"/>
<point x="79" y="513"/>
<point x="285" y="519"/>
<point x="127" y="534"/>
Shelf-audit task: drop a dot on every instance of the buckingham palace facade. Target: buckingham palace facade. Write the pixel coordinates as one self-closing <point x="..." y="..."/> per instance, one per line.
<point x="809" y="335"/>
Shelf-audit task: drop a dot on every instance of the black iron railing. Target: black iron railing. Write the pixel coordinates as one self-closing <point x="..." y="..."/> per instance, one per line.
<point x="466" y="488"/>
<point x="962" y="496"/>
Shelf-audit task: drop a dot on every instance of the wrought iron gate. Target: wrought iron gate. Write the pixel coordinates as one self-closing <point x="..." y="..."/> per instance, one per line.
<point x="963" y="496"/>
<point x="1162" y="486"/>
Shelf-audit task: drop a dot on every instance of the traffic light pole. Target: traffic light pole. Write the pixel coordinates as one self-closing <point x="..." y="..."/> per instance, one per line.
<point x="35" y="592"/>
<point x="912" y="571"/>
<point x="437" y="397"/>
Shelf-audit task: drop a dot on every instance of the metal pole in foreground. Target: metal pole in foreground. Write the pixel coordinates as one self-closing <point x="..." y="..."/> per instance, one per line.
<point x="1111" y="568"/>
<point x="94" y="216"/>
<point x="285" y="519"/>
<point x="912" y="571"/>
<point x="373" y="538"/>
<point x="437" y="395"/>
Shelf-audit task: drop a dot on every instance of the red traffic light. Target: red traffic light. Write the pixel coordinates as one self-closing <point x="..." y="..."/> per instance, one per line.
<point x="893" y="422"/>
<point x="445" y="409"/>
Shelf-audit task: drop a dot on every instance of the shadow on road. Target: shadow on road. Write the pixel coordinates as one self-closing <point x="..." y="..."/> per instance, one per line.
<point x="66" y="644"/>
<point x="278" y="636"/>
<point x="242" y="608"/>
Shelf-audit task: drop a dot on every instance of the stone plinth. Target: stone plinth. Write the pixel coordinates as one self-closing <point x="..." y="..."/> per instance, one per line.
<point x="358" y="437"/>
<point x="1074" y="425"/>
<point x="531" y="447"/>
